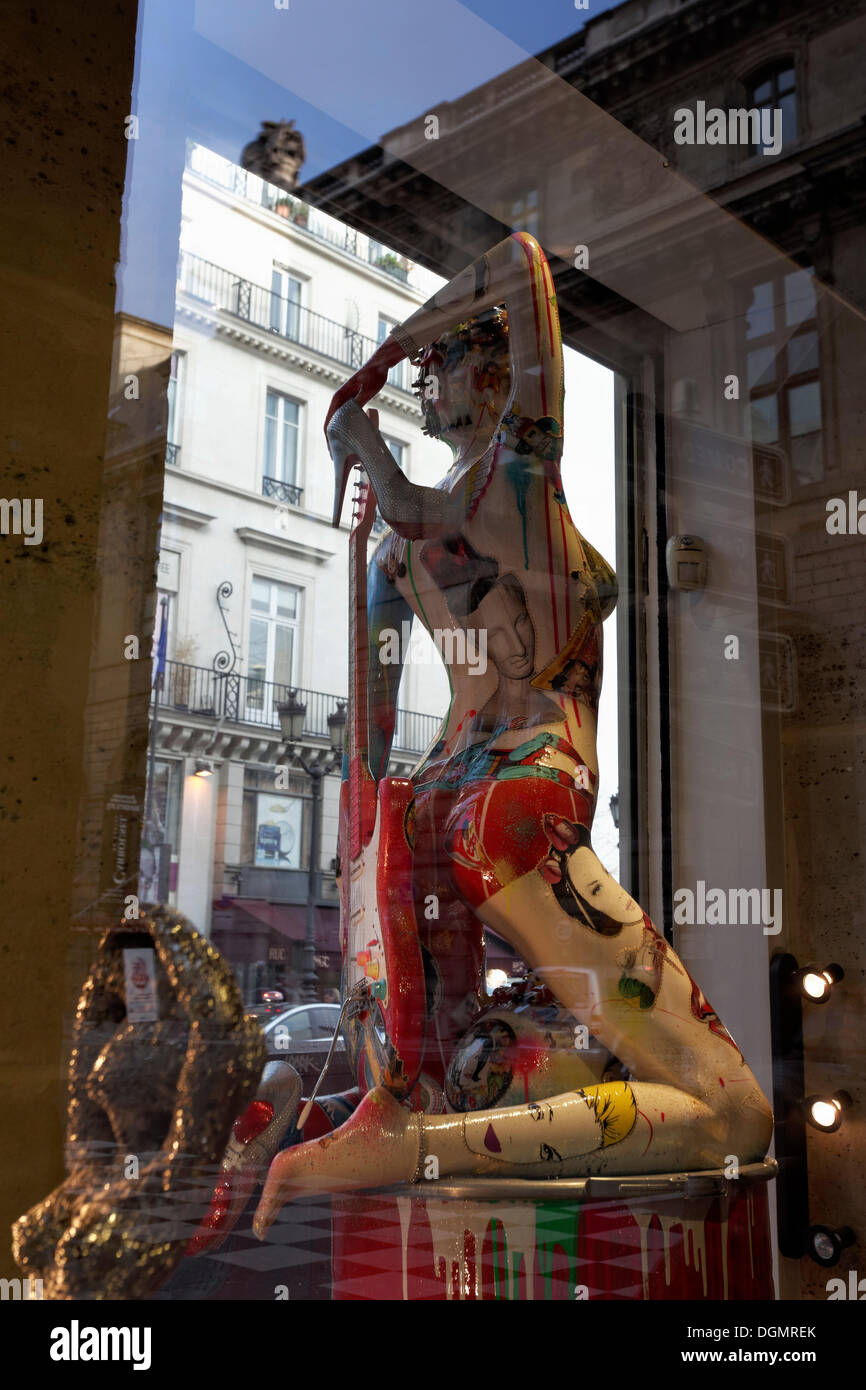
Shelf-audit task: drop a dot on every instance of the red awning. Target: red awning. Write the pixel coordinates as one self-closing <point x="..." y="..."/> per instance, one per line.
<point x="249" y="916"/>
<point x="289" y="920"/>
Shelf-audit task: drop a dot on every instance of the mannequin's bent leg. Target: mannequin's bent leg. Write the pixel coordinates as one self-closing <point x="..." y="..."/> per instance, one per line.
<point x="697" y="1101"/>
<point x="602" y="1129"/>
<point x="691" y="1103"/>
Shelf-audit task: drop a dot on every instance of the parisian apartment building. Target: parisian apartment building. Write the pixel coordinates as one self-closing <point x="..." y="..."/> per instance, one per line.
<point x="277" y="304"/>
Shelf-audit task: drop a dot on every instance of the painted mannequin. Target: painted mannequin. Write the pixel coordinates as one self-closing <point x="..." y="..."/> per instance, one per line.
<point x="505" y="798"/>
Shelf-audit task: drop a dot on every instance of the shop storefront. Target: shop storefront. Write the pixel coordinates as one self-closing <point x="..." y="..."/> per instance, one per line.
<point x="662" y="210"/>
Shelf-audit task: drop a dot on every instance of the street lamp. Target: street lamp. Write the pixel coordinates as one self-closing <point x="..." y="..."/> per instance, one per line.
<point x="292" y="714"/>
<point x="337" y="728"/>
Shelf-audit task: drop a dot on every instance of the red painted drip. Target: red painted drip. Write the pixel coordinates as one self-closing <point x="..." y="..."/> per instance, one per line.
<point x="663" y="1117"/>
<point x="567" y="589"/>
<point x="527" y="1062"/>
<point x="652" y="1131"/>
<point x="721" y="1082"/>
<point x="550" y="571"/>
<point x="470" y="714"/>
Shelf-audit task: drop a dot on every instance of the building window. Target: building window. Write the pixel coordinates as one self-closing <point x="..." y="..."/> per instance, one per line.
<point x="262" y="809"/>
<point x="278" y="831"/>
<point x="275" y="614"/>
<point x="175" y="407"/>
<point x="282" y="429"/>
<point x="168" y="586"/>
<point x="286" y="291"/>
<point x="782" y="370"/>
<point x="160" y="835"/>
<point x="398" y="450"/>
<point x="399" y="375"/>
<point x="774" y="89"/>
<point x="524" y="212"/>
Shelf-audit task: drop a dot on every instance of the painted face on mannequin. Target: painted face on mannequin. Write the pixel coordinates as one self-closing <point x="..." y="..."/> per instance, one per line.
<point x="510" y="634"/>
<point x="465" y="383"/>
<point x="582" y="885"/>
<point x="592" y="882"/>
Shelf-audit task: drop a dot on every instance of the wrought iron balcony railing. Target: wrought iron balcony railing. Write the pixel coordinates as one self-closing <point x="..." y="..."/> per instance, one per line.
<point x="258" y="305"/>
<point x="172" y="455"/>
<point x="283" y="492"/>
<point x="211" y="167"/>
<point x="248" y="700"/>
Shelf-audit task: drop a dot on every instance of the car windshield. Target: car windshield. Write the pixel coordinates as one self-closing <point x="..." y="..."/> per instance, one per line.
<point x="298" y="1021"/>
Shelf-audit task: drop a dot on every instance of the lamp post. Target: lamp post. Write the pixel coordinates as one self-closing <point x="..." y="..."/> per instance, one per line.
<point x="291" y="715"/>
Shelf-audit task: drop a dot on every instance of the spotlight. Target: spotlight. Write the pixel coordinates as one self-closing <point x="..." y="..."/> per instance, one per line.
<point x="825" y="1243"/>
<point x="495" y="980"/>
<point x="816" y="984"/>
<point x="203" y="768"/>
<point x="825" y="1112"/>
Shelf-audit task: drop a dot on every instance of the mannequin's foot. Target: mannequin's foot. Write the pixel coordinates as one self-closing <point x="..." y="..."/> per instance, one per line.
<point x="377" y="1146"/>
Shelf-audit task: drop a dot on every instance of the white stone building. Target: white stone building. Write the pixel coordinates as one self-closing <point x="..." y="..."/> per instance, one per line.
<point x="277" y="304"/>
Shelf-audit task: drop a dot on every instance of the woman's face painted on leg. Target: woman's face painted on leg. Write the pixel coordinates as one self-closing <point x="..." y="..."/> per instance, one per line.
<point x="592" y="882"/>
<point x="581" y="883"/>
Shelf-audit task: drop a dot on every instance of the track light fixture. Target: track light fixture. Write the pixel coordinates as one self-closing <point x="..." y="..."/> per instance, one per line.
<point x="825" y="1112"/>
<point x="824" y="1244"/>
<point x="816" y="984"/>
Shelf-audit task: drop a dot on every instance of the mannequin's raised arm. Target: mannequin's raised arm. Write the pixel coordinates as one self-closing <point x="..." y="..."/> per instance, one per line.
<point x="515" y="273"/>
<point x="410" y="509"/>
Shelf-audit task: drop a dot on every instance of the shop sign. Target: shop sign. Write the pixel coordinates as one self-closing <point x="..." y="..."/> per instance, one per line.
<point x="278" y="831"/>
<point x="121" y="834"/>
<point x="139" y="977"/>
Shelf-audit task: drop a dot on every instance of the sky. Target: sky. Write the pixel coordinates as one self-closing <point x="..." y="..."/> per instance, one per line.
<point x="588" y="478"/>
<point x="347" y="71"/>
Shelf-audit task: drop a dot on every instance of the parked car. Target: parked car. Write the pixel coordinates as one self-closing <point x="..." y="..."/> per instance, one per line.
<point x="268" y="1002"/>
<point x="302" y="1035"/>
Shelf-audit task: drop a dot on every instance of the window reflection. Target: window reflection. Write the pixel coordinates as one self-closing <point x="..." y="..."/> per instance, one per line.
<point x="782" y="372"/>
<point x="775" y="89"/>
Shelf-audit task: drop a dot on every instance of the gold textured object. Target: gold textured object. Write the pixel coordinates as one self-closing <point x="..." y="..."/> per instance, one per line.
<point x="150" y="1109"/>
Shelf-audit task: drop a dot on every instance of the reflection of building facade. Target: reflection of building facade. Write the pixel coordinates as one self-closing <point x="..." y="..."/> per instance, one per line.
<point x="722" y="284"/>
<point x="116" y="731"/>
<point x="276" y="305"/>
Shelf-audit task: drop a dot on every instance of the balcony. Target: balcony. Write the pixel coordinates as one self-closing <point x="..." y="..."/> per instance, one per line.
<point x="282" y="492"/>
<point x="200" y="691"/>
<point x="172" y="455"/>
<point x="213" y="169"/>
<point x="389" y="261"/>
<point x="221" y="289"/>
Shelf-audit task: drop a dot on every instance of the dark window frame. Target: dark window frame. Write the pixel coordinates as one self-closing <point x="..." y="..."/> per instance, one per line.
<point x="780" y="339"/>
<point x="770" y="72"/>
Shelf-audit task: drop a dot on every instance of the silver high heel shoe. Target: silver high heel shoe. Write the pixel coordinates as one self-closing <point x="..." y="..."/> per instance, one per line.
<point x="409" y="509"/>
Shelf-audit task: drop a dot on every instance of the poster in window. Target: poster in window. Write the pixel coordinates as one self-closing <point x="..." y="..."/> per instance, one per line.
<point x="278" y="831"/>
